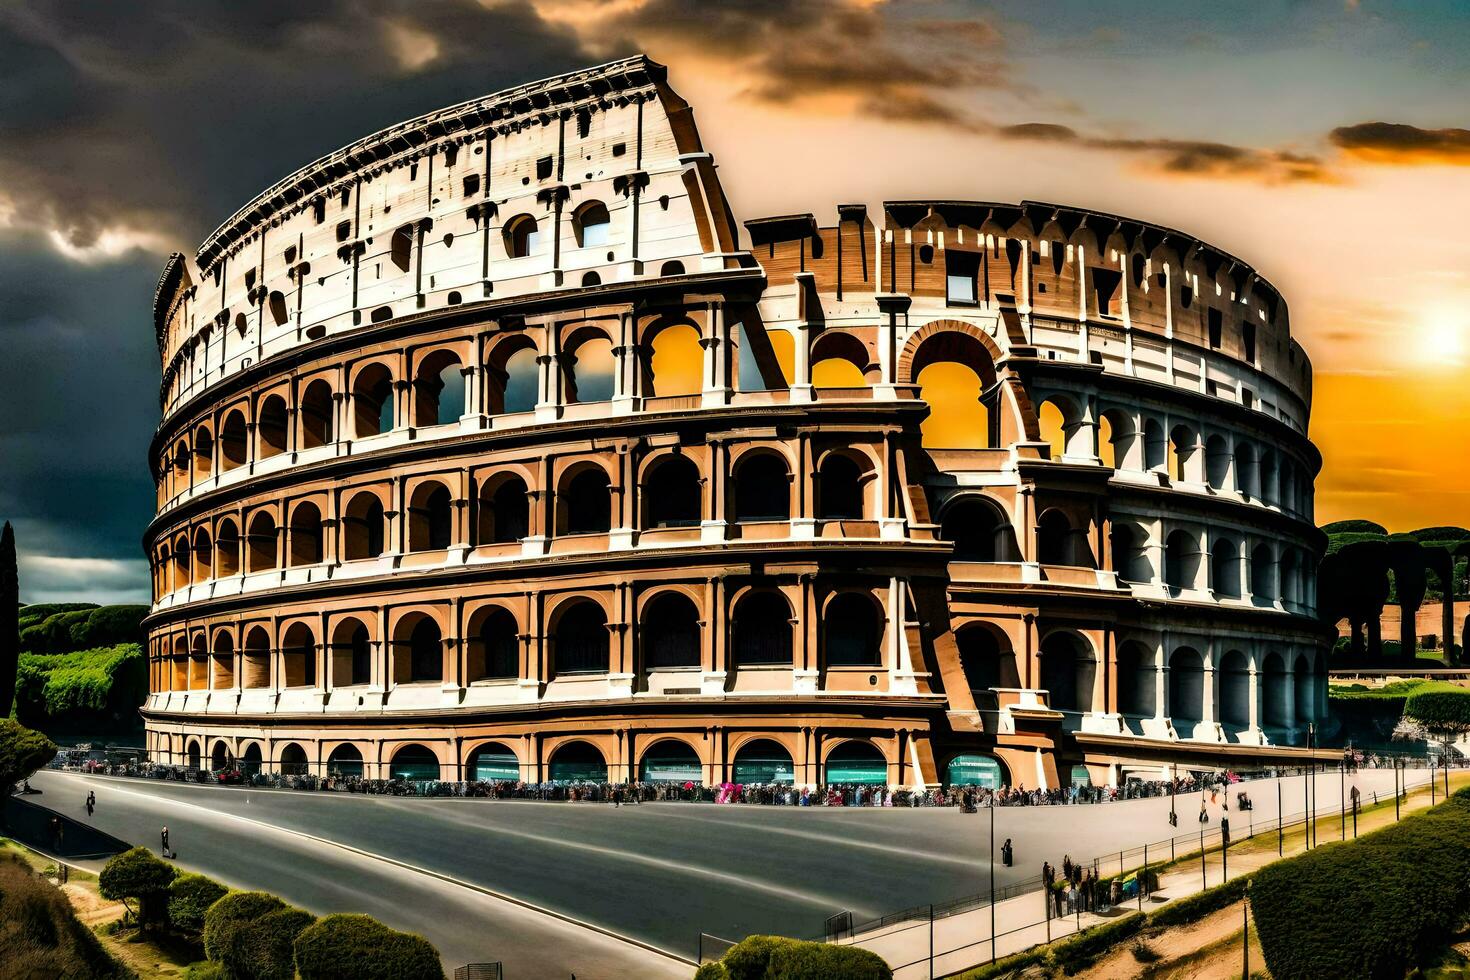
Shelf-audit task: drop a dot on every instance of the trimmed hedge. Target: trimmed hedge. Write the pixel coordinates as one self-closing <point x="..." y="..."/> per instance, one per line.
<point x="1440" y="707"/>
<point x="139" y="875"/>
<point x="359" y="947"/>
<point x="189" y="897"/>
<point x="779" y="958"/>
<point x="265" y="948"/>
<point x="230" y="915"/>
<point x="1371" y="907"/>
<point x="81" y="685"/>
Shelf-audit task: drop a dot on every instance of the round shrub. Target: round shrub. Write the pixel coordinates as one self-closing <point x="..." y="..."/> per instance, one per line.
<point x="139" y="876"/>
<point x="189" y="897"/>
<point x="748" y="959"/>
<point x="823" y="961"/>
<point x="230" y="915"/>
<point x="264" y="948"/>
<point x="711" y="971"/>
<point x="359" y="947"/>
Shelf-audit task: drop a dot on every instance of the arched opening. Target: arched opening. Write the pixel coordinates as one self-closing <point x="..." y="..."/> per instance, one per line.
<point x="1055" y="544"/>
<point x="256" y="659"/>
<point x="1057" y="420"/>
<point x="220" y="758"/>
<point x="762" y="761"/>
<point x="203" y="454"/>
<point x="293" y="761"/>
<point x="1290" y="577"/>
<point x="840" y="488"/>
<point x="438" y="389"/>
<point x="352" y="654"/>
<point x="1155" y="446"/>
<point x="306" y="534"/>
<point x="493" y="763"/>
<point x="1263" y="573"/>
<point x="673" y="267"/>
<point x="261" y="550"/>
<point x="671" y="761"/>
<point x="232" y="441"/>
<point x="839" y="360"/>
<point x="430" y="518"/>
<point x="979" y="531"/>
<point x="591" y="224"/>
<point x="298" y="656"/>
<point x="856" y="762"/>
<point x="181" y="466"/>
<point x="372" y="401"/>
<point x="1186" y="690"/>
<point x="1137" y="676"/>
<point x="418" y="657"/>
<point x="199" y="665"/>
<point x="577" y="762"/>
<point x="179" y="666"/>
<point x="1268" y="477"/>
<point x="1247" y="470"/>
<point x="522" y="236"/>
<point x="987" y="663"/>
<point x="414" y="763"/>
<point x="270" y="426"/>
<point x="505" y="511"/>
<point x="182" y="552"/>
<point x="363" y="527"/>
<point x="762" y="487"/>
<point x="853" y="628"/>
<point x="974" y="770"/>
<point x="1182" y="447"/>
<point x="227" y="550"/>
<point x="316" y="414"/>
<point x="1217" y="462"/>
<point x="203" y="555"/>
<point x="1304" y="684"/>
<point x="1275" y="692"/>
<point x="1068" y="672"/>
<point x="677" y="364"/>
<point x="761" y="630"/>
<point x="672" y="495"/>
<point x="580" y="640"/>
<point x="1225" y="569"/>
<point x="1235" y="691"/>
<point x="222" y="674"/>
<point x="250" y="761"/>
<point x="958" y="418"/>
<point x="514" y="377"/>
<point x="1129" y="546"/>
<point x="1181" y="560"/>
<point x="585" y="506"/>
<point x="1116" y="435"/>
<point x="495" y="648"/>
<point x="345" y="762"/>
<point x="589" y="370"/>
<point x="669" y="632"/>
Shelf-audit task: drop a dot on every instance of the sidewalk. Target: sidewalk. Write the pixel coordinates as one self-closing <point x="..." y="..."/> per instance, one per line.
<point x="962" y="940"/>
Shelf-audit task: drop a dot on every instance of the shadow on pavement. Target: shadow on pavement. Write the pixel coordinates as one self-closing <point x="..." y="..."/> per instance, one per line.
<point x="31" y="824"/>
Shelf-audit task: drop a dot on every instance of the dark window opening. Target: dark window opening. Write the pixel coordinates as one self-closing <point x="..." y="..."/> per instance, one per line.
<point x="1248" y="340"/>
<point x="1217" y="326"/>
<point x="543" y="168"/>
<point x="471" y="185"/>
<point x="961" y="270"/>
<point x="1105" y="284"/>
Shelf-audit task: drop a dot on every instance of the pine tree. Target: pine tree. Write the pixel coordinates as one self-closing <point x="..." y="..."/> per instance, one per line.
<point x="9" y="619"/>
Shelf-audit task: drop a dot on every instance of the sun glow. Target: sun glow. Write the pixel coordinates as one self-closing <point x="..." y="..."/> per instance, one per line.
<point x="1444" y="339"/>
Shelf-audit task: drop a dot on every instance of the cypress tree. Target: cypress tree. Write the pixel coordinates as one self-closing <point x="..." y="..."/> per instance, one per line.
<point x="9" y="619"/>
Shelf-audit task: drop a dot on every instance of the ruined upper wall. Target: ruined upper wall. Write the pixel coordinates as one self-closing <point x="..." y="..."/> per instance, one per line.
<point x="1056" y="267"/>
<point x="425" y="214"/>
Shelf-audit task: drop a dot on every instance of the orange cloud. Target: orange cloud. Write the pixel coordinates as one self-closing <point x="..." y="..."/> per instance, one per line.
<point x="1398" y="143"/>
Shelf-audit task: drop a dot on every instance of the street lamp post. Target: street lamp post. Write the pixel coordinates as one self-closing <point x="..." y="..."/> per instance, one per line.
<point x="1280" y="822"/>
<point x="992" y="879"/>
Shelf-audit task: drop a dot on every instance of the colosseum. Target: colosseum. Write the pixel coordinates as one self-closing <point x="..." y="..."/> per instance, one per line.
<point x="493" y="448"/>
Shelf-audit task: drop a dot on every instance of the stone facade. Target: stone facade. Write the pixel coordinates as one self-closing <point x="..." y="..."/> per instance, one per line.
<point x="490" y="441"/>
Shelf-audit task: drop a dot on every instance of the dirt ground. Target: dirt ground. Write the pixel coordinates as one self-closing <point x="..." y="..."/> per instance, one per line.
<point x="1205" y="950"/>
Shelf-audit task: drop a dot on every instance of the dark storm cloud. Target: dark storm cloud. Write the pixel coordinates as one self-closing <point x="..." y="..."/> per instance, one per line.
<point x="892" y="65"/>
<point x="1397" y="143"/>
<point x="79" y="401"/>
<point x="165" y="117"/>
<point x="158" y="121"/>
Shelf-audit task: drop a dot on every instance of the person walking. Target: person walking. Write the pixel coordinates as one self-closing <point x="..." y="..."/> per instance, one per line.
<point x="91" y="805"/>
<point x="163" y="839"/>
<point x="1006" y="854"/>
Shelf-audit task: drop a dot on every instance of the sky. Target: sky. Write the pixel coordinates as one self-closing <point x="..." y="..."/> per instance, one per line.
<point x="1323" y="141"/>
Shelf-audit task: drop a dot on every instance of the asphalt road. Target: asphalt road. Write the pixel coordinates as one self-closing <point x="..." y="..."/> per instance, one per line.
<point x="657" y="873"/>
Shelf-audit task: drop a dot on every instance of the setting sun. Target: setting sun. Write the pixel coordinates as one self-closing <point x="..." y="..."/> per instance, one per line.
<point x="1444" y="339"/>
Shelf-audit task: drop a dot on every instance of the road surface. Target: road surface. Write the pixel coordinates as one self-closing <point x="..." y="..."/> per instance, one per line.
<point x="657" y="874"/>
